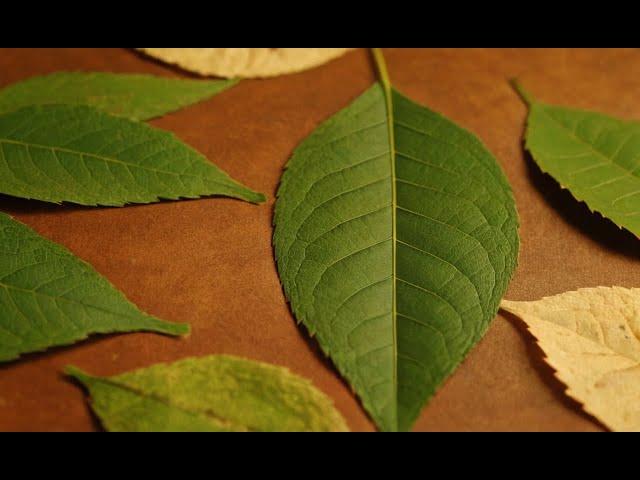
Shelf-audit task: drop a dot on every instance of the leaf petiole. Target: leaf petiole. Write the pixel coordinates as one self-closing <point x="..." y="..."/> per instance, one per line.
<point x="526" y="97"/>
<point x="381" y="65"/>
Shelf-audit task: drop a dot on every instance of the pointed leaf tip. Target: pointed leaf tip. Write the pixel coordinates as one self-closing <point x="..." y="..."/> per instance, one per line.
<point x="256" y="197"/>
<point x="171" y="328"/>
<point x="134" y="96"/>
<point x="56" y="285"/>
<point x="79" y="154"/>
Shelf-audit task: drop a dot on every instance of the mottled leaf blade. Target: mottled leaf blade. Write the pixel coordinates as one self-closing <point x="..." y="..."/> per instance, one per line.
<point x="595" y="156"/>
<point x="135" y="96"/>
<point x="210" y="394"/>
<point x="397" y="272"/>
<point x="49" y="297"/>
<point x="245" y="62"/>
<point x="590" y="339"/>
<point x="77" y="154"/>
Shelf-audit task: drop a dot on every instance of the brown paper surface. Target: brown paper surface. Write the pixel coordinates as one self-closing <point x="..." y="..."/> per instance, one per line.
<point x="210" y="262"/>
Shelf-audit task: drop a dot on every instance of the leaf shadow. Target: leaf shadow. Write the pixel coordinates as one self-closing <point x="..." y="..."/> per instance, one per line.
<point x="577" y="214"/>
<point x="546" y="372"/>
<point x="302" y="331"/>
<point x="96" y="424"/>
<point x="314" y="347"/>
<point x="94" y="339"/>
<point x="15" y="205"/>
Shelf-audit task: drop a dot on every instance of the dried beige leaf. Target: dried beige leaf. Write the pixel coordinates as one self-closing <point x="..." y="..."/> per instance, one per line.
<point x="245" y="62"/>
<point x="591" y="337"/>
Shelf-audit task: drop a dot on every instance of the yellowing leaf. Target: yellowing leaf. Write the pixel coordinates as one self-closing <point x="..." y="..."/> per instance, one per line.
<point x="245" y="62"/>
<point x="218" y="393"/>
<point x="592" y="339"/>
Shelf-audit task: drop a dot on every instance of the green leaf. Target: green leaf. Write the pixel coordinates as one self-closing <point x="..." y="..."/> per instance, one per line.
<point x="49" y="297"/>
<point x="138" y="97"/>
<point x="77" y="154"/>
<point x="218" y="393"/>
<point x="595" y="156"/>
<point x="395" y="237"/>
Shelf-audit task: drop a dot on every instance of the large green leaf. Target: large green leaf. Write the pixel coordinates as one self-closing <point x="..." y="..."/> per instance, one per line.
<point x="49" y="297"/>
<point x="64" y="153"/>
<point x="595" y="156"/>
<point x="396" y="236"/>
<point x="218" y="393"/>
<point x="138" y="97"/>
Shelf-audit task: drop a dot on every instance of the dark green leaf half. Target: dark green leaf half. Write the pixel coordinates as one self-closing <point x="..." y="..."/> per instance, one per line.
<point x="210" y="394"/>
<point x="395" y="237"/>
<point x="49" y="297"/>
<point x="77" y="154"/>
<point x="138" y="97"/>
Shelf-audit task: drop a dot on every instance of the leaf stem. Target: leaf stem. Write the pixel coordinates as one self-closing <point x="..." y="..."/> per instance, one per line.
<point x="520" y="90"/>
<point x="78" y="374"/>
<point x="382" y="68"/>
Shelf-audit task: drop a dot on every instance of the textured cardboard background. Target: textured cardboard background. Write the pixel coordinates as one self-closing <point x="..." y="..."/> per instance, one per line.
<point x="210" y="263"/>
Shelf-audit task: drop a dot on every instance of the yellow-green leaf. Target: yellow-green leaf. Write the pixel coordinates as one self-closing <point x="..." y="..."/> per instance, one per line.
<point x="218" y="393"/>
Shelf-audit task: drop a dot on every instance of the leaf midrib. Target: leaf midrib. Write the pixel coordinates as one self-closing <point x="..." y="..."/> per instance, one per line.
<point x="101" y="157"/>
<point x="597" y="152"/>
<point x="167" y="402"/>
<point x="70" y="300"/>
<point x="386" y="86"/>
<point x="505" y="304"/>
<point x="599" y="343"/>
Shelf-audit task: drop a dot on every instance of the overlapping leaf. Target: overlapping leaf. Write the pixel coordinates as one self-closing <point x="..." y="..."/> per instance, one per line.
<point x="396" y="237"/>
<point x="49" y="297"/>
<point x="66" y="153"/>
<point x="595" y="156"/>
<point x="210" y="394"/>
<point x="591" y="337"/>
<point x="138" y="97"/>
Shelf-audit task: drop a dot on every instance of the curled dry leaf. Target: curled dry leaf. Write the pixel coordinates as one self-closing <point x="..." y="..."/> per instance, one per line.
<point x="591" y="337"/>
<point x="245" y="62"/>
